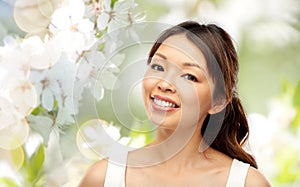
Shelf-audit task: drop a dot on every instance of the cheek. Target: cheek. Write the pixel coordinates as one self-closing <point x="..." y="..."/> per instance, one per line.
<point x="147" y="85"/>
<point x="205" y="101"/>
<point x="195" y="100"/>
<point x="190" y="106"/>
<point x="187" y="92"/>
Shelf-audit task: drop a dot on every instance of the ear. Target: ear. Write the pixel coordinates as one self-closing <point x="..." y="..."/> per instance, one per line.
<point x="218" y="107"/>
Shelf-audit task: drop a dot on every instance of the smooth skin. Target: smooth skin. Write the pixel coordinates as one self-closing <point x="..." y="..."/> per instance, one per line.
<point x="178" y="73"/>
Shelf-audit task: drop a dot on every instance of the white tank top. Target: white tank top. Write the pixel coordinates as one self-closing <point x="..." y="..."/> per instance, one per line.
<point x="115" y="174"/>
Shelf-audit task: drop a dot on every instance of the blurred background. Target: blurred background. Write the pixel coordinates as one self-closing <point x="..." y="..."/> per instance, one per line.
<point x="267" y="37"/>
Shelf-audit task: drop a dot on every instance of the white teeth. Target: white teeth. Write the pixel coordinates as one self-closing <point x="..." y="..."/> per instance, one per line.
<point x="163" y="103"/>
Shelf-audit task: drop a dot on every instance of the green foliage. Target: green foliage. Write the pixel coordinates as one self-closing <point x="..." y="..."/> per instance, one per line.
<point x="296" y="103"/>
<point x="112" y="4"/>
<point x="7" y="182"/>
<point x="296" y="97"/>
<point x="36" y="161"/>
<point x="153" y="9"/>
<point x="296" y="122"/>
<point x="146" y="131"/>
<point x="101" y="46"/>
<point x="42" y="125"/>
<point x="32" y="169"/>
<point x="39" y="110"/>
<point x="287" y="160"/>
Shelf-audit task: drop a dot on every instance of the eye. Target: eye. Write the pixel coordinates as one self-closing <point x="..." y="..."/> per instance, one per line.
<point x="157" y="67"/>
<point x="190" y="77"/>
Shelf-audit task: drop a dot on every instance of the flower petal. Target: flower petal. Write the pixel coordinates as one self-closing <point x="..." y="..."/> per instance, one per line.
<point x="102" y="21"/>
<point x="14" y="134"/>
<point x="24" y="96"/>
<point x="47" y="99"/>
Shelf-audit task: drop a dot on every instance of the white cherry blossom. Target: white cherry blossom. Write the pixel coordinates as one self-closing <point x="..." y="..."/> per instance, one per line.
<point x="43" y="76"/>
<point x="74" y="32"/>
<point x="13" y="60"/>
<point x="55" y="84"/>
<point x="14" y="129"/>
<point x="91" y="145"/>
<point x="20" y="89"/>
<point x="41" y="54"/>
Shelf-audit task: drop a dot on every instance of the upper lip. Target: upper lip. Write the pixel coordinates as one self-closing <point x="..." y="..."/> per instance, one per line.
<point x="164" y="99"/>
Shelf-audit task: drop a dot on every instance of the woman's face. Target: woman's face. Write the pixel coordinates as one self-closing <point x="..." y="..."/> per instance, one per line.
<point x="176" y="86"/>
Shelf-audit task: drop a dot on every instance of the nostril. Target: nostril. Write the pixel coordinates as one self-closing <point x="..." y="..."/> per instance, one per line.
<point x="166" y="87"/>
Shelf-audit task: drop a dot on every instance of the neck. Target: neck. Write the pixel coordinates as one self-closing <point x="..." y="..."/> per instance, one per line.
<point x="184" y="146"/>
<point x="171" y="148"/>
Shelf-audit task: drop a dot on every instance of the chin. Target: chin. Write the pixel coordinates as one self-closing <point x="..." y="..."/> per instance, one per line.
<point x="163" y="123"/>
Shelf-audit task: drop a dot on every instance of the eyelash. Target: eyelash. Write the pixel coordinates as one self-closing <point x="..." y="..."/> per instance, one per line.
<point x="188" y="76"/>
<point x="157" y="67"/>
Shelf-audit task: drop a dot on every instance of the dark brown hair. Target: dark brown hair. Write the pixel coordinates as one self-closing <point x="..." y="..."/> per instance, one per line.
<point x="227" y="130"/>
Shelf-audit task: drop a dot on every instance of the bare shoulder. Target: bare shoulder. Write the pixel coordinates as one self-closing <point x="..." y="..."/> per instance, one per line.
<point x="95" y="175"/>
<point x="256" y="178"/>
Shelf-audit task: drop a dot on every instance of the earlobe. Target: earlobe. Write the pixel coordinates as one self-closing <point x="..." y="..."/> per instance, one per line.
<point x="218" y="107"/>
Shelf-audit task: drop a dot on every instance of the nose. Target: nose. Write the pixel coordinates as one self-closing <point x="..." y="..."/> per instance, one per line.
<point x="166" y="86"/>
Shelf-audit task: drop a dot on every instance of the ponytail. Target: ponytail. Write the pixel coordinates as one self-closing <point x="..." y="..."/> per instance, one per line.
<point x="233" y="132"/>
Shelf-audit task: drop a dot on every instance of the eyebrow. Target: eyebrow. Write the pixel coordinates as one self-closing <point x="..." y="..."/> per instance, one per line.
<point x="192" y="65"/>
<point x="161" y="55"/>
<point x="189" y="64"/>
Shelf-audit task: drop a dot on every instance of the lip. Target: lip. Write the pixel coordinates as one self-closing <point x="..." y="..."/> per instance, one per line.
<point x="163" y="109"/>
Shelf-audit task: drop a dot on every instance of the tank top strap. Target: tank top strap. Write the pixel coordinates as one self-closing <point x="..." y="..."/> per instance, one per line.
<point x="238" y="173"/>
<point x="115" y="173"/>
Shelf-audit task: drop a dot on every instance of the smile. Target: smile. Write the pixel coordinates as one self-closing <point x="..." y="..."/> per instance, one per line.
<point x="163" y="102"/>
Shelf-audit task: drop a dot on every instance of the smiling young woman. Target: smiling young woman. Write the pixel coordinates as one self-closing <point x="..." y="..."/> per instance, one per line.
<point x="189" y="92"/>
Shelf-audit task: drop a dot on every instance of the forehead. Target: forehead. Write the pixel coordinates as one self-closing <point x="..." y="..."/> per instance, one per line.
<point x="178" y="48"/>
